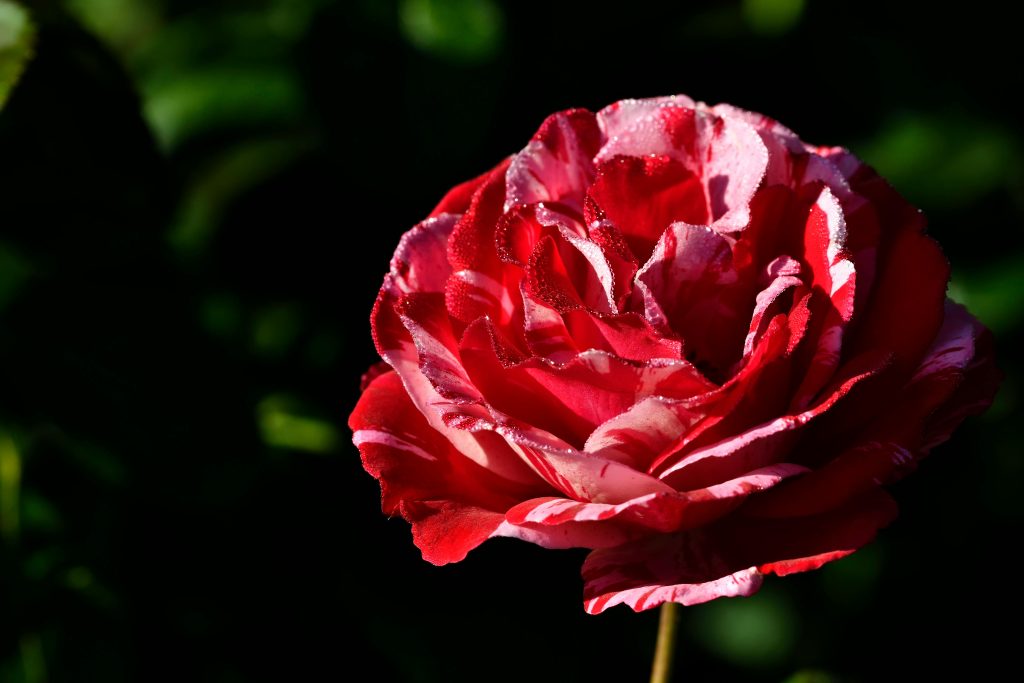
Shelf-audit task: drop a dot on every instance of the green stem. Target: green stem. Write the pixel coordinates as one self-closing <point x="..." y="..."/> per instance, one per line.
<point x="665" y="649"/>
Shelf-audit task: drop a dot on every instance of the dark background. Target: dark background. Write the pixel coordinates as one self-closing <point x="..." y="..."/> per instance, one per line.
<point x="183" y="324"/>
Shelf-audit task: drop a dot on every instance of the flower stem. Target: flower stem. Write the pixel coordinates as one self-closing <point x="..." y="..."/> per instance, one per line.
<point x="664" y="651"/>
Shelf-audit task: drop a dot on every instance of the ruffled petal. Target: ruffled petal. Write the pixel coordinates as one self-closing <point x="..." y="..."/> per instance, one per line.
<point x="480" y="283"/>
<point x="686" y="288"/>
<point x="398" y="348"/>
<point x="423" y="473"/>
<point x="569" y="399"/>
<point x="766" y="443"/>
<point x="728" y="558"/>
<point x="642" y="196"/>
<point x="906" y="308"/>
<point x="725" y="152"/>
<point x="557" y="165"/>
<point x="833" y="274"/>
<point x="660" y="512"/>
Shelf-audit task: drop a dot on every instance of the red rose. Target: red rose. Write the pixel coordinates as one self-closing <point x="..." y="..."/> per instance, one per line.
<point x="674" y="334"/>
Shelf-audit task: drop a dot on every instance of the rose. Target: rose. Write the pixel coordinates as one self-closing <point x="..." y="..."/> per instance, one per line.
<point x="674" y="334"/>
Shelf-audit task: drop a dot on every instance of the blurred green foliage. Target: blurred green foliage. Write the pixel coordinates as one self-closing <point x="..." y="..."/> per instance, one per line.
<point x="183" y="325"/>
<point x="758" y="633"/>
<point x="462" y="30"/>
<point x="17" y="35"/>
<point x="772" y="17"/>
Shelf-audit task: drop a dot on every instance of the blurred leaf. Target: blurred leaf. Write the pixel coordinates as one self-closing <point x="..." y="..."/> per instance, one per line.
<point x="756" y="632"/>
<point x="942" y="162"/>
<point x="33" y="659"/>
<point x="41" y="563"/>
<point x="993" y="295"/>
<point x="460" y="30"/>
<point x="283" y="428"/>
<point x="78" y="578"/>
<point x="225" y="178"/>
<point x="199" y="101"/>
<point x="123" y="24"/>
<point x="772" y="17"/>
<point x="82" y="580"/>
<point x="17" y="37"/>
<point x="15" y="269"/>
<point x="38" y="513"/>
<point x="275" y="329"/>
<point x="210" y="68"/>
<point x="10" y="488"/>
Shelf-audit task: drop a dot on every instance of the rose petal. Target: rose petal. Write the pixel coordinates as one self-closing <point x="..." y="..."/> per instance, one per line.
<point x="419" y="263"/>
<point x="481" y="285"/>
<point x="624" y="116"/>
<point x="557" y="165"/>
<point x="972" y="395"/>
<point x="642" y="196"/>
<point x="905" y="310"/>
<point x="445" y="531"/>
<point x="457" y="199"/>
<point x="416" y="463"/>
<point x="628" y="336"/>
<point x="642" y="433"/>
<point x="726" y="153"/>
<point x="662" y="512"/>
<point x="764" y="444"/>
<point x="728" y="558"/>
<point x="833" y="273"/>
<point x="396" y="346"/>
<point x="687" y="287"/>
<point x="784" y="276"/>
<point x="571" y="399"/>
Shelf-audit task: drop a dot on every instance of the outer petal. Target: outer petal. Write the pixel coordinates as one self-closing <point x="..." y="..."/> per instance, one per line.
<point x="458" y="198"/>
<point x="397" y="347"/>
<point x="953" y="381"/>
<point x="972" y="396"/>
<point x="661" y="512"/>
<point x="569" y="535"/>
<point x="728" y="558"/>
<point x="937" y="377"/>
<point x="906" y="307"/>
<point x="419" y="263"/>
<point x="481" y="284"/>
<point x="445" y="531"/>
<point x="453" y="502"/>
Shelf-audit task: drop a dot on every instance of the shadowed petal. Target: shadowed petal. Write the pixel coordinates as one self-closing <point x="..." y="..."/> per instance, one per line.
<point x="728" y="558"/>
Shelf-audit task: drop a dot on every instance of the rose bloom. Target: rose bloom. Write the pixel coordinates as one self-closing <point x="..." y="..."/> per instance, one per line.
<point x="674" y="334"/>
